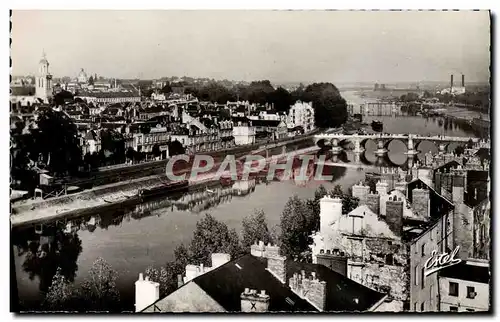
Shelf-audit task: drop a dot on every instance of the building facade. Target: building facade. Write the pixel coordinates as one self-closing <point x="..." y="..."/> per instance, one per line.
<point x="301" y="114"/>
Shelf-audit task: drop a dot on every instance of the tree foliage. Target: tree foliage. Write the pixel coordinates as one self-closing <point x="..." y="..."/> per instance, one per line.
<point x="61" y="294"/>
<point x="255" y="229"/>
<point x="99" y="289"/>
<point x="349" y="203"/>
<point x="56" y="142"/>
<point x="295" y="218"/>
<point x="213" y="236"/>
<point x="330" y="109"/>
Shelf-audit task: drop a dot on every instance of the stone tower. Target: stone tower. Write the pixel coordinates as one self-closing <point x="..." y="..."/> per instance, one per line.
<point x="44" y="80"/>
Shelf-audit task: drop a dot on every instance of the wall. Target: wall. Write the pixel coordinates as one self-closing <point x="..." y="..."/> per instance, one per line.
<point x="438" y="238"/>
<point x="243" y="135"/>
<point x="481" y="237"/>
<point x="463" y="230"/>
<point x="479" y="303"/>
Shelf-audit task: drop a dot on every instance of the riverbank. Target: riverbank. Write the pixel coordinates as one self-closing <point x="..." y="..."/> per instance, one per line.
<point x="102" y="198"/>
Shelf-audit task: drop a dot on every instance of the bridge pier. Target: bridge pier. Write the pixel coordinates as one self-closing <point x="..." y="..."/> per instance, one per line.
<point x="357" y="146"/>
<point x="412" y="152"/>
<point x="442" y="148"/>
<point x="336" y="149"/>
<point x="381" y="151"/>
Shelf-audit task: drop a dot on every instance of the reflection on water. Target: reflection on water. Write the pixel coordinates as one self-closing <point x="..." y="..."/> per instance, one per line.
<point x="132" y="238"/>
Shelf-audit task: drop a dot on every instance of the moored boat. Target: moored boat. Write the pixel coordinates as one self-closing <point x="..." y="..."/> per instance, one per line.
<point x="165" y="188"/>
<point x="377" y="125"/>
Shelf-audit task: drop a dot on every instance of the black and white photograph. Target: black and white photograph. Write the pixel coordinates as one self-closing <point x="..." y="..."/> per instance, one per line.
<point x="250" y="161"/>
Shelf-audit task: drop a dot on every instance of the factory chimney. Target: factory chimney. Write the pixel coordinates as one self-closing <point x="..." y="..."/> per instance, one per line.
<point x="463" y="80"/>
<point x="451" y="81"/>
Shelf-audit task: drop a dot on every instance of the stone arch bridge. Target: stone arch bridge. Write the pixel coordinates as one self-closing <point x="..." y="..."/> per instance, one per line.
<point x="412" y="141"/>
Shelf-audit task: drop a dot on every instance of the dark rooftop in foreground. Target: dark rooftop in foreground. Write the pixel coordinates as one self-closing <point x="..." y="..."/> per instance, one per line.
<point x="467" y="272"/>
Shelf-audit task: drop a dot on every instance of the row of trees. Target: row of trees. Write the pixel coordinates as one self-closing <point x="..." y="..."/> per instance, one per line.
<point x="330" y="108"/>
<point x="98" y="292"/>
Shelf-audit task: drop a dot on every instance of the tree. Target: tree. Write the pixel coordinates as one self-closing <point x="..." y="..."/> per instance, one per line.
<point x="63" y="96"/>
<point x="99" y="289"/>
<point x="470" y="144"/>
<point x="295" y="239"/>
<point x="213" y="236"/>
<point x="61" y="294"/>
<point x="255" y="229"/>
<point x="281" y="99"/>
<point x="459" y="150"/>
<point x="156" y="150"/>
<point x="130" y="153"/>
<point x="162" y="276"/>
<point x="175" y="147"/>
<point x="330" y="109"/>
<point x="57" y="142"/>
<point x="349" y="203"/>
<point x="167" y="89"/>
<point x="313" y="223"/>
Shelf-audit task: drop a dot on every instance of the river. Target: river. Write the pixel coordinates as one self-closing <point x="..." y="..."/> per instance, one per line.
<point x="133" y="239"/>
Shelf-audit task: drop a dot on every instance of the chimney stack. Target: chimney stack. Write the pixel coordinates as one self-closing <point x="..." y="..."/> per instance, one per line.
<point x="451" y="81"/>
<point x="310" y="288"/>
<point x="394" y="215"/>
<point x="463" y="80"/>
<point x="146" y="293"/>
<point x="251" y="301"/>
<point x="277" y="266"/>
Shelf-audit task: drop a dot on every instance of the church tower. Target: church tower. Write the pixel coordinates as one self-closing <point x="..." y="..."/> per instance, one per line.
<point x="44" y="80"/>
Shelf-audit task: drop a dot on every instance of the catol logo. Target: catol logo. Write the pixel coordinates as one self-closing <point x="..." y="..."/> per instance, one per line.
<point x="438" y="262"/>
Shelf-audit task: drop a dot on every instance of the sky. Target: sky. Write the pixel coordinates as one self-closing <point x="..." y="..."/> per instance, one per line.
<point x="282" y="46"/>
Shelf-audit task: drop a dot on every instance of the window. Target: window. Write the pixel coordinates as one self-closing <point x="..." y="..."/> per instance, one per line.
<point x="453" y="309"/>
<point x="422" y="307"/>
<point x="431" y="295"/>
<point x="471" y="292"/>
<point x="389" y="260"/>
<point x="453" y="289"/>
<point x="415" y="307"/>
<point x="422" y="277"/>
<point x="416" y="275"/>
<point x="423" y="249"/>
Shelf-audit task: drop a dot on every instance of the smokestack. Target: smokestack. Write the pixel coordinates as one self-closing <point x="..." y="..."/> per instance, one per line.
<point x="463" y="80"/>
<point x="451" y="81"/>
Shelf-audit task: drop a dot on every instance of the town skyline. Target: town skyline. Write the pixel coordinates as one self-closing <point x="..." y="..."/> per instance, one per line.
<point x="197" y="52"/>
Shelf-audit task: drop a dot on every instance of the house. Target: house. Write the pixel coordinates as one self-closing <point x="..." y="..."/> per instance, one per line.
<point x="262" y="281"/>
<point x="465" y="287"/>
<point x="243" y="131"/>
<point x="375" y="249"/>
<point x="301" y="114"/>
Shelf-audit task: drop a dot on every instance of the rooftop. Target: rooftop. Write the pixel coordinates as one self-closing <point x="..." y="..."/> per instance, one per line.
<point x="467" y="272"/>
<point x="226" y="283"/>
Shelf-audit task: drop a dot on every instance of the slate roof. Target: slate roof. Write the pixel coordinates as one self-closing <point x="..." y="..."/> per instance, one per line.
<point x="226" y="283"/>
<point x="343" y="294"/>
<point x="467" y="272"/>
